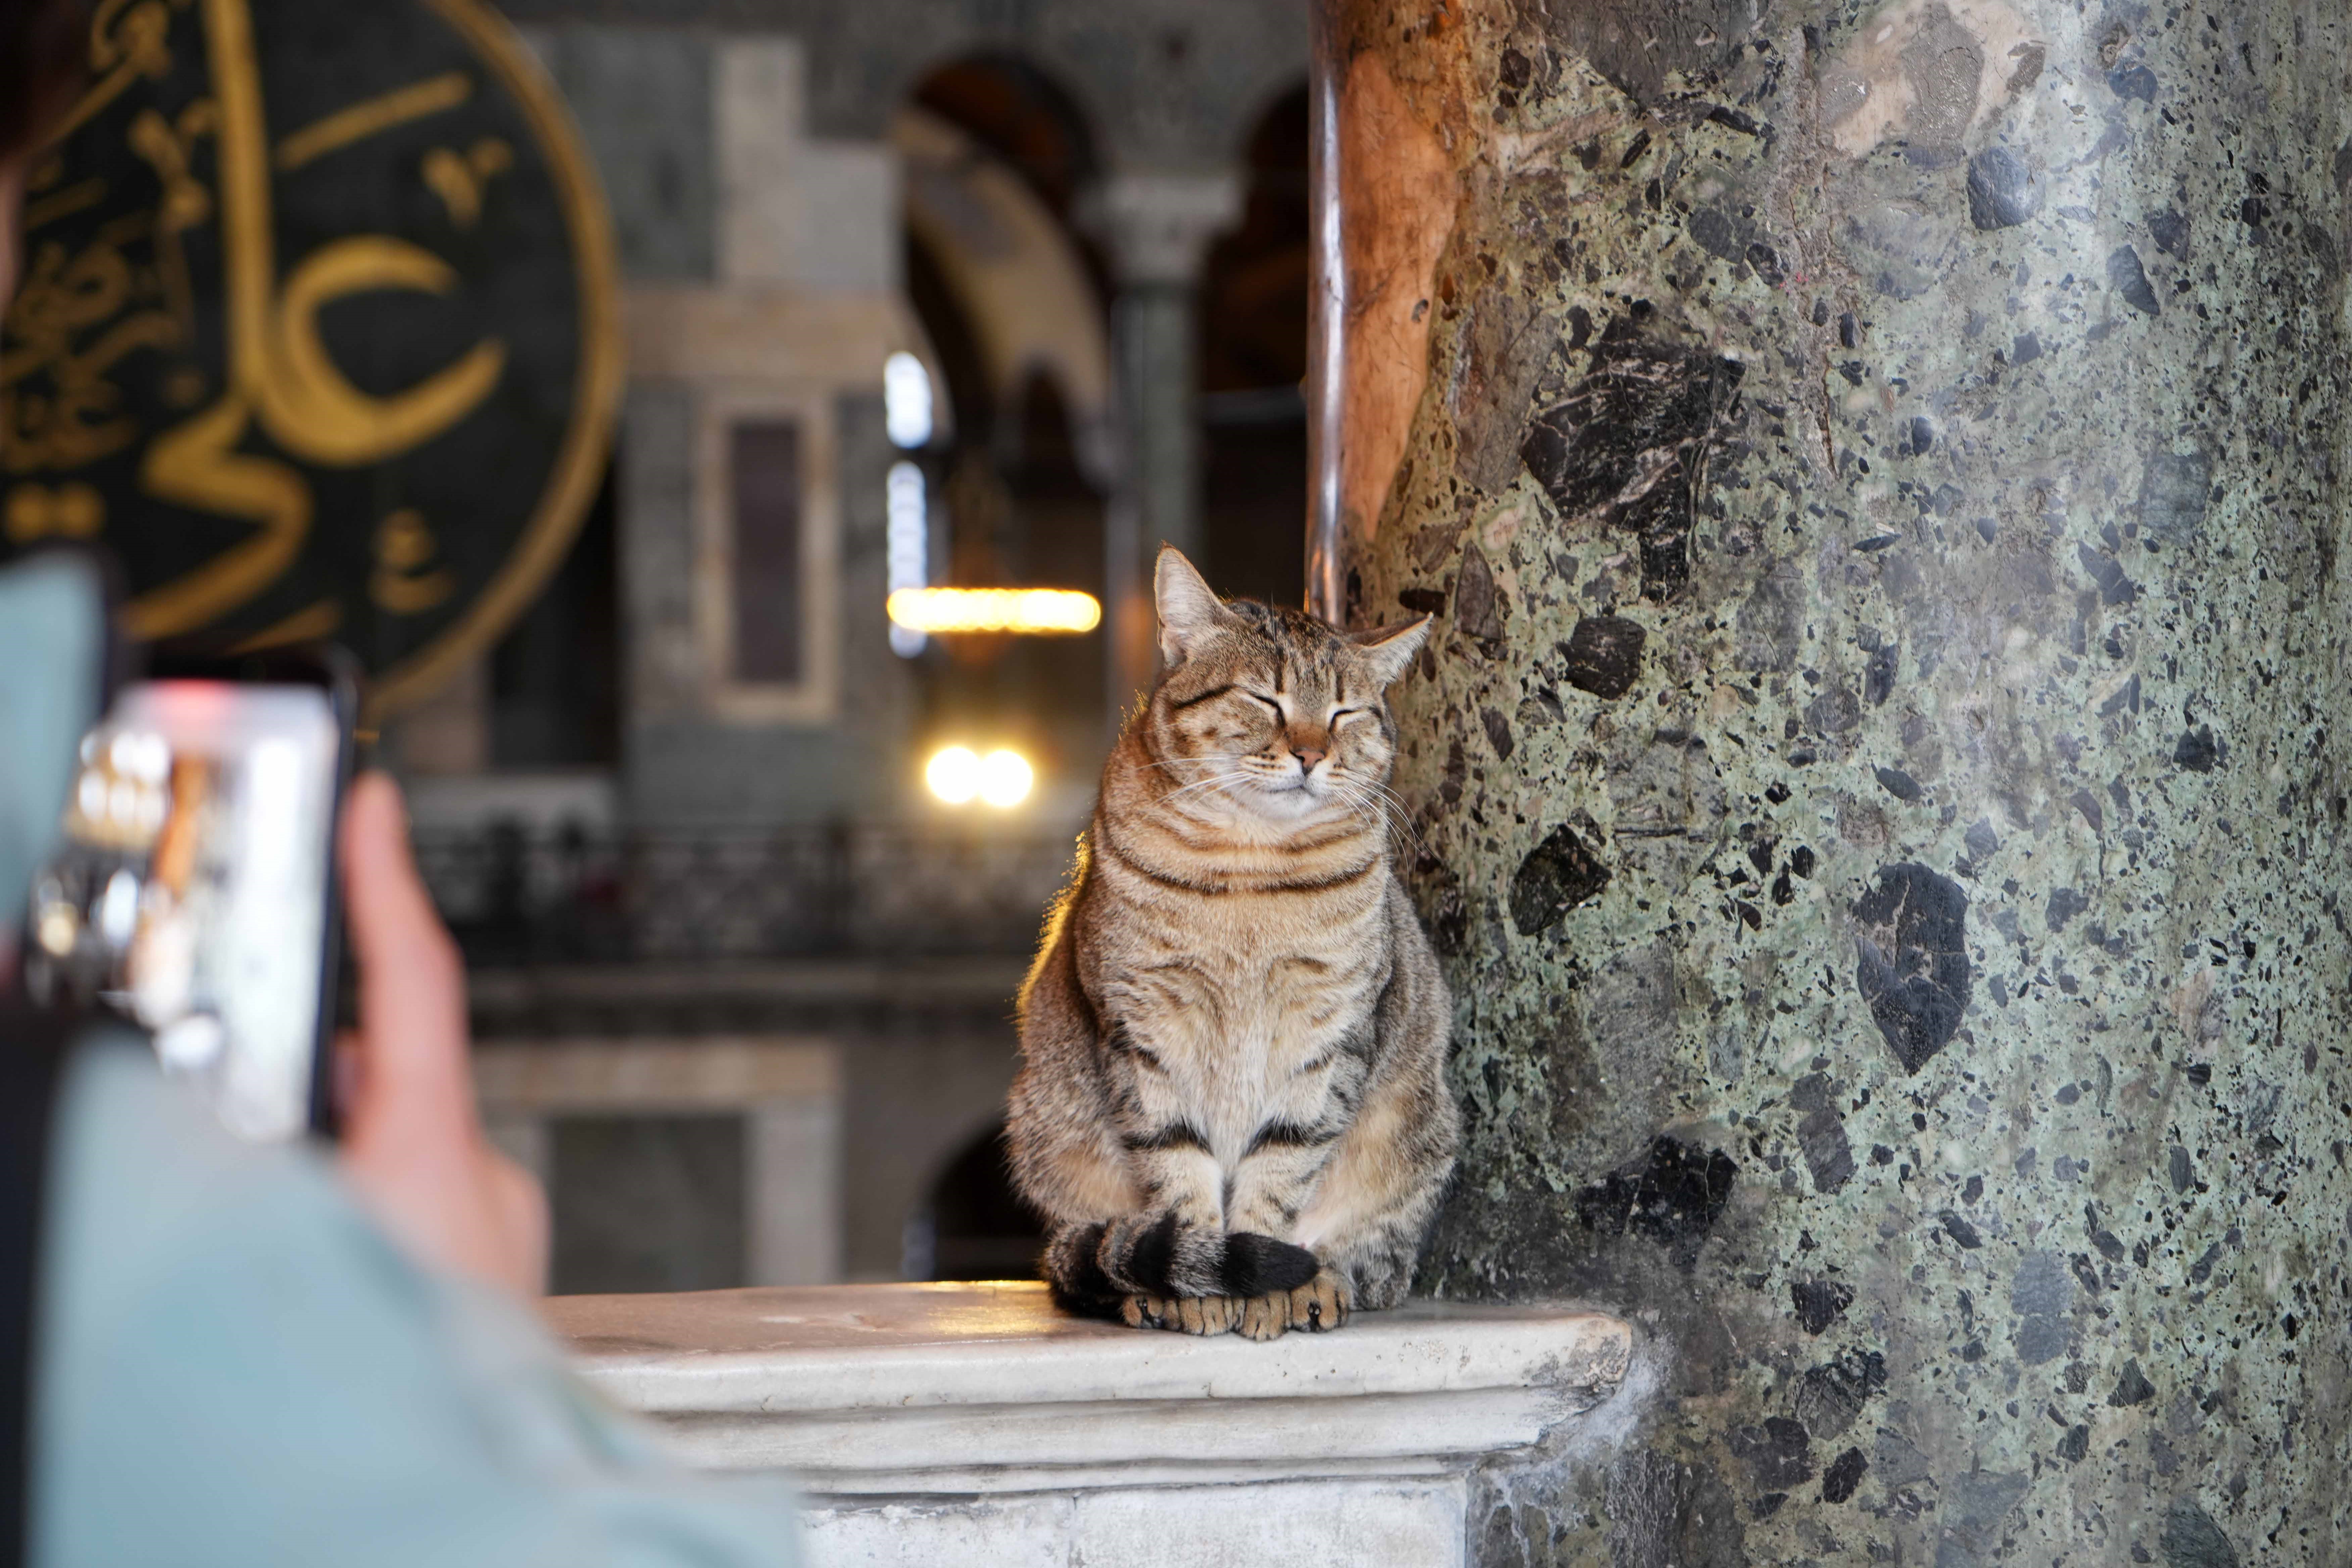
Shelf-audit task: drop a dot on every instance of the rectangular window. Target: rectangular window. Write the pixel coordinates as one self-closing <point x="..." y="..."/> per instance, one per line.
<point x="764" y="468"/>
<point x="767" y="557"/>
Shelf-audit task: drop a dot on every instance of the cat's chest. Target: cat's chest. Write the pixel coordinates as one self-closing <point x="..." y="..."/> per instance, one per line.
<point x="1256" y="972"/>
<point x="1261" y="979"/>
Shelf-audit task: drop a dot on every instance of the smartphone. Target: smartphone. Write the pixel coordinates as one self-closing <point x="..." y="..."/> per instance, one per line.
<point x="197" y="894"/>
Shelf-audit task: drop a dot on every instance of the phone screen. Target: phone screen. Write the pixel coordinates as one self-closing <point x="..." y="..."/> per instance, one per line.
<point x="192" y="895"/>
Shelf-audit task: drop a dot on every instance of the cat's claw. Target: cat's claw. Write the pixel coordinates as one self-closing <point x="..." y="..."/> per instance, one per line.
<point x="1181" y="1314"/>
<point x="1316" y="1307"/>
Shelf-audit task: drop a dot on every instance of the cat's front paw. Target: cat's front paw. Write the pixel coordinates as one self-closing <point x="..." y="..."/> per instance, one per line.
<point x="1321" y="1304"/>
<point x="1181" y="1314"/>
<point x="1316" y="1307"/>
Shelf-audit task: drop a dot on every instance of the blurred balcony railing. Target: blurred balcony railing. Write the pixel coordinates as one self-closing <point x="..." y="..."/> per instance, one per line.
<point x="514" y="895"/>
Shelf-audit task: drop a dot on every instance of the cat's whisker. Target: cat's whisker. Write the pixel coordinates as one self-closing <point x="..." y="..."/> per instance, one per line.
<point x="1403" y="818"/>
<point x="1206" y="757"/>
<point x="1404" y="829"/>
<point x="1394" y="800"/>
<point x="1364" y="812"/>
<point x="1231" y="770"/>
<point x="1407" y="832"/>
<point x="1387" y="804"/>
<point x="1359" y="805"/>
<point x="1199" y="785"/>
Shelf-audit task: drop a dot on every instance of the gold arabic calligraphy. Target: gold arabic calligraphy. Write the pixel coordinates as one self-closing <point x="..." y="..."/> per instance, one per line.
<point x="280" y="374"/>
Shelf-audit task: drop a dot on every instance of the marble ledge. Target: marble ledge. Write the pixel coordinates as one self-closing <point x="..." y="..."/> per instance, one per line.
<point x="969" y="1389"/>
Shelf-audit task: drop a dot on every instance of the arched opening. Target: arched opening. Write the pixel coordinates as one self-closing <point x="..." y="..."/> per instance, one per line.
<point x="971" y="1225"/>
<point x="1023" y="117"/>
<point x="1253" y="361"/>
<point x="1010" y="296"/>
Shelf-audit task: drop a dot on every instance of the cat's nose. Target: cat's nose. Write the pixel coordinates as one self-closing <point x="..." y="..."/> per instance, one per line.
<point x="1307" y="760"/>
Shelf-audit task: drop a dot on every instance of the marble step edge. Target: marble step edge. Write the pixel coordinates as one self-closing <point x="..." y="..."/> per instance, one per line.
<point x="936" y="1450"/>
<point x="894" y="1347"/>
<point x="869" y="1488"/>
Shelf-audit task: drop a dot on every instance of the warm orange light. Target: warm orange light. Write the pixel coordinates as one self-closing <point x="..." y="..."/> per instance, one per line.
<point x="954" y="775"/>
<point x="958" y="775"/>
<point x="1006" y="777"/>
<point x="1024" y="611"/>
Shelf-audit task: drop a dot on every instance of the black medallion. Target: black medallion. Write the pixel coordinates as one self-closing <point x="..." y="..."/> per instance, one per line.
<point x="316" y="330"/>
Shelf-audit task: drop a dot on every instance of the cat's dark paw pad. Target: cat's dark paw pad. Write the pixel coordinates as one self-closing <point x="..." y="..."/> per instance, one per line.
<point x="1259" y="1265"/>
<point x="1320" y="1305"/>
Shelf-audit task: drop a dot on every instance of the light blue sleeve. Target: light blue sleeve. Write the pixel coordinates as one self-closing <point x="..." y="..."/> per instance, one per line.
<point x="236" y="1368"/>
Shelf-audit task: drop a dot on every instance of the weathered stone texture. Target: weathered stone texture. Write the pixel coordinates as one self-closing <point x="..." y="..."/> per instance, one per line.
<point x="1918" y="992"/>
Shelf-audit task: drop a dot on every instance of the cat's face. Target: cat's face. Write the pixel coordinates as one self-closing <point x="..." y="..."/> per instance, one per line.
<point x="1269" y="708"/>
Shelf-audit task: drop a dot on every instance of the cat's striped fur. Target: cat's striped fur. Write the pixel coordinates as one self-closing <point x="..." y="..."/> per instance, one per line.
<point x="1231" y="1107"/>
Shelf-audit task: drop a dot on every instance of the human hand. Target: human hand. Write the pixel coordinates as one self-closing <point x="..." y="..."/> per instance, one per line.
<point x="413" y="1143"/>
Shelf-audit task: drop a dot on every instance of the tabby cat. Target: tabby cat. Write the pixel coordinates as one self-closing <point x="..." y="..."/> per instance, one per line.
<point x="1231" y="1107"/>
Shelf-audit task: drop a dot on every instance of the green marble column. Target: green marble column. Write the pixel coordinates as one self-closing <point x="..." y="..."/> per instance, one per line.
<point x="1881" y="770"/>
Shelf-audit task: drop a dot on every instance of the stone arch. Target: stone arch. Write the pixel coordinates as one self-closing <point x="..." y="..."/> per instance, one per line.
<point x="1269" y="102"/>
<point x="997" y="159"/>
<point x="970" y="1224"/>
<point x="1162" y="83"/>
<point x="1024" y="112"/>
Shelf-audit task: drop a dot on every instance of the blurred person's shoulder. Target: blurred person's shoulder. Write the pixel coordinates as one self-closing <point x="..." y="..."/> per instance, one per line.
<point x="230" y="1336"/>
<point x="143" y="1175"/>
<point x="165" y="1236"/>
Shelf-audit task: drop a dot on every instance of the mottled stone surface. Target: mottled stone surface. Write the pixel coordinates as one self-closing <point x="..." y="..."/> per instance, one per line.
<point x="1919" y="995"/>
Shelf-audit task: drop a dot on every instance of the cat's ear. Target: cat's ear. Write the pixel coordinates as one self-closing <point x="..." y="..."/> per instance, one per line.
<point x="1388" y="650"/>
<point x="1189" y="611"/>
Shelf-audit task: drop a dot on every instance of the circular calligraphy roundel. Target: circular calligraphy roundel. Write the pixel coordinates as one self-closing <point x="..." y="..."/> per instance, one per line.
<point x="317" y="330"/>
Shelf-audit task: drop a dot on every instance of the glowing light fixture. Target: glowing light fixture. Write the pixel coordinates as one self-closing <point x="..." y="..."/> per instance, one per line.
<point x="907" y="400"/>
<point x="1028" y="610"/>
<point x="954" y="775"/>
<point x="958" y="775"/>
<point x="906" y="552"/>
<point x="906" y="415"/>
<point x="1005" y="778"/>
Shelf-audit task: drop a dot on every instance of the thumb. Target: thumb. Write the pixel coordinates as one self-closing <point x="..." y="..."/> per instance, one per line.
<point x="411" y="1006"/>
